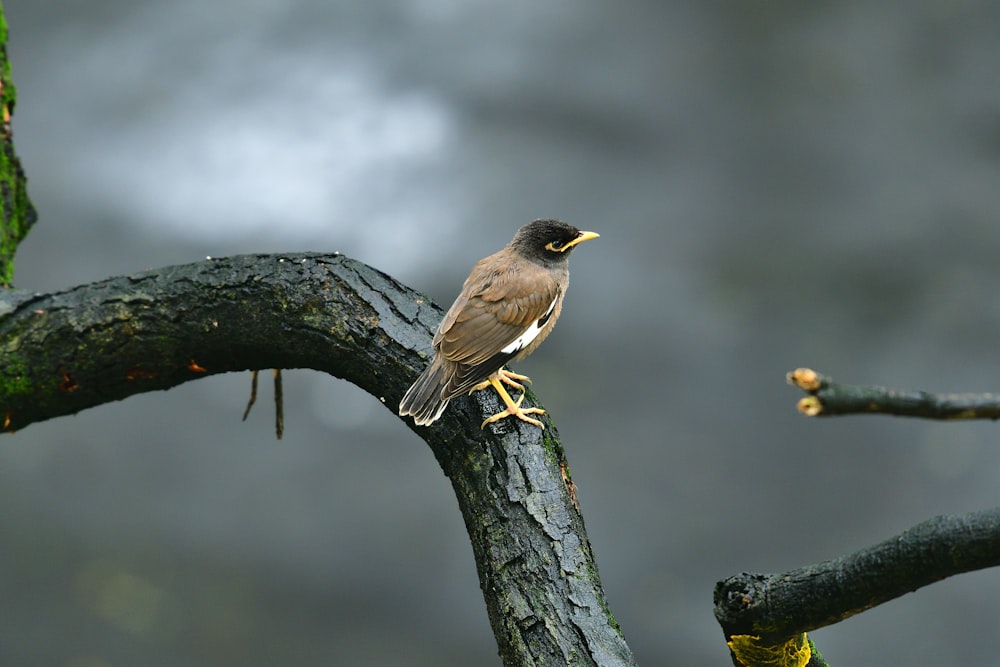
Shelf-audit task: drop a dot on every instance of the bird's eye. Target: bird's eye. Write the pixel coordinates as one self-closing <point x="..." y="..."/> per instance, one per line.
<point x="554" y="245"/>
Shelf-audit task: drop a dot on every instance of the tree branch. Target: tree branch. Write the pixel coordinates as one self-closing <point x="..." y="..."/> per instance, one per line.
<point x="64" y="352"/>
<point x="17" y="215"/>
<point x="777" y="607"/>
<point x="828" y="398"/>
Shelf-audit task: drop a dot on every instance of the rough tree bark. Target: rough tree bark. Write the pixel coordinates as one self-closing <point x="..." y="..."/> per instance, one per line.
<point x="61" y="353"/>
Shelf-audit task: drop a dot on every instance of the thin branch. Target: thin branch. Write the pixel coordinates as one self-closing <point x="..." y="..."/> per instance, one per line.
<point x="828" y="398"/>
<point x="253" y="393"/>
<point x="777" y="607"/>
<point x="279" y="405"/>
<point x="64" y="352"/>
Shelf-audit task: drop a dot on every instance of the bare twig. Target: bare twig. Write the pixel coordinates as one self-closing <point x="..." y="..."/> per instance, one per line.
<point x="279" y="405"/>
<point x="828" y="398"/>
<point x="253" y="394"/>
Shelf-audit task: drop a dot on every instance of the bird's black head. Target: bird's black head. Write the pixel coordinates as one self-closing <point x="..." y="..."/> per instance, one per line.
<point x="548" y="241"/>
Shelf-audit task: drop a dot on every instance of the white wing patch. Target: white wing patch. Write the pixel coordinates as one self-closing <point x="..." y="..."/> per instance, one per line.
<point x="531" y="333"/>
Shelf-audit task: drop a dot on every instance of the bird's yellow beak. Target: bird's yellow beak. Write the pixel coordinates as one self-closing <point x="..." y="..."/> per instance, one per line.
<point x="584" y="236"/>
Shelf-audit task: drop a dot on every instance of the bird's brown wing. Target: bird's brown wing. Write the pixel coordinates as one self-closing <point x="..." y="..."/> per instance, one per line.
<point x="499" y="301"/>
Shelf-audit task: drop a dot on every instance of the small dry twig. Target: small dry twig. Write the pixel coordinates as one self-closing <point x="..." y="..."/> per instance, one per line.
<point x="828" y="398"/>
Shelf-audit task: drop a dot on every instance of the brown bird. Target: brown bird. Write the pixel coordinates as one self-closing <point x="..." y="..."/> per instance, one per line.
<point x="508" y="305"/>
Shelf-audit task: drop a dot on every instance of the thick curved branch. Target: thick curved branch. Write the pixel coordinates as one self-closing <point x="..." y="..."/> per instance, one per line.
<point x="64" y="352"/>
<point x="828" y="398"/>
<point x="776" y="607"/>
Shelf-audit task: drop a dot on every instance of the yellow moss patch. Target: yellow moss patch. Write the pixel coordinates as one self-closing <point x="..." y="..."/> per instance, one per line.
<point x="751" y="652"/>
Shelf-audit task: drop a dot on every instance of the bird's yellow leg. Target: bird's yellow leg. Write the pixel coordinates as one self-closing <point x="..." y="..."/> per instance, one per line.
<point x="507" y="377"/>
<point x="514" y="408"/>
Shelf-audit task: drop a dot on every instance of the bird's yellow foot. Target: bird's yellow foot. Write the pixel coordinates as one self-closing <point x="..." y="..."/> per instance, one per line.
<point x="514" y="408"/>
<point x="513" y="379"/>
<point x="505" y="376"/>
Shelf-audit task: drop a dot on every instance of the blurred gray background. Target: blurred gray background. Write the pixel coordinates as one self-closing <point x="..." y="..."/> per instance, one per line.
<point x="776" y="184"/>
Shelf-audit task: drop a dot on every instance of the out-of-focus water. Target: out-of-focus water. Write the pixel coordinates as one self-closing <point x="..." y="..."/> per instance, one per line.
<point x="775" y="184"/>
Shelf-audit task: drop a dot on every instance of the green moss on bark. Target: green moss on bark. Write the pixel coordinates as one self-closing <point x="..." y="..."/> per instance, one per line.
<point x="17" y="214"/>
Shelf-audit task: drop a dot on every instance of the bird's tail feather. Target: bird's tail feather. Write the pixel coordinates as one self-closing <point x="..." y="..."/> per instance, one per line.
<point x="423" y="399"/>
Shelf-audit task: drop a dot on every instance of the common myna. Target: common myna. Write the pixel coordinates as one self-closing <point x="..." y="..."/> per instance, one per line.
<point x="508" y="305"/>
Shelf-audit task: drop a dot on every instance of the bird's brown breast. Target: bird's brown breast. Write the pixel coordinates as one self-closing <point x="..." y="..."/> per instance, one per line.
<point x="503" y="296"/>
